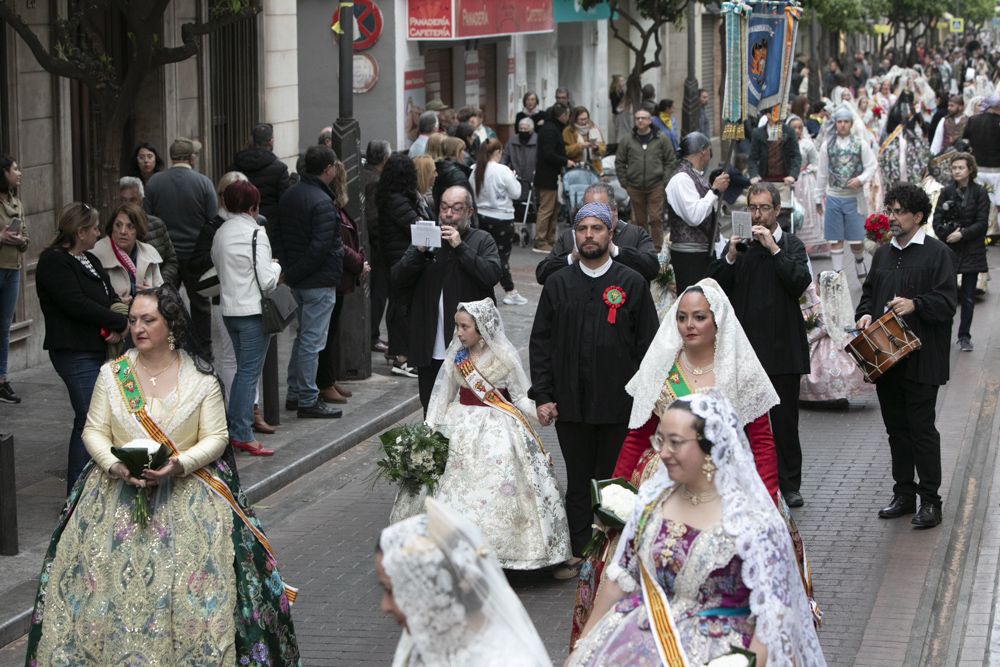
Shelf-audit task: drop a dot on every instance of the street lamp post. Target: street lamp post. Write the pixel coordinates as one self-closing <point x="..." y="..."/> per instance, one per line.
<point x="690" y="120"/>
<point x="355" y="356"/>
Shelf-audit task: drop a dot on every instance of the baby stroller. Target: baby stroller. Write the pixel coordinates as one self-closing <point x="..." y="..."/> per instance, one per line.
<point x="575" y="182"/>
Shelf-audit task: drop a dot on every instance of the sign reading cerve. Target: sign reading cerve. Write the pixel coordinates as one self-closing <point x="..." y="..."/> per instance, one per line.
<point x="881" y="28"/>
<point x="957" y="25"/>
<point x="367" y="24"/>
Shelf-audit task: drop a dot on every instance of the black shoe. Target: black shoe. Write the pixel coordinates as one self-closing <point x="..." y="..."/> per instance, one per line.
<point x="928" y="516"/>
<point x="899" y="506"/>
<point x="7" y="394"/>
<point x="965" y="344"/>
<point x="320" y="411"/>
<point x="793" y="498"/>
<point x="291" y="404"/>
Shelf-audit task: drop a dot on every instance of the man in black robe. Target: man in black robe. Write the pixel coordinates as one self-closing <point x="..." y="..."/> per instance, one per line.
<point x="630" y="244"/>
<point x="914" y="276"/>
<point x="764" y="280"/>
<point x="595" y="321"/>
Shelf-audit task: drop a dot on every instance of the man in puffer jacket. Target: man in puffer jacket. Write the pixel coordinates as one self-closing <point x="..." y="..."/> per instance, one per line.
<point x="263" y="168"/>
<point x="307" y="241"/>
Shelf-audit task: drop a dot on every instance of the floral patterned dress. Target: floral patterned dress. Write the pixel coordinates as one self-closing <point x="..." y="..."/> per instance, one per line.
<point x="699" y="570"/>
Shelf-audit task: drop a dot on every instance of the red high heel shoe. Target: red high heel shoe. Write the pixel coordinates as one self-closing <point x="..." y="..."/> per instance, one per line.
<point x="249" y="448"/>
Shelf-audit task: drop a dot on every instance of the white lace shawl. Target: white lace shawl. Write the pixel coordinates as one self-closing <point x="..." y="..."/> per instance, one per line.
<point x="500" y="364"/>
<point x="738" y="373"/>
<point x="777" y="599"/>
<point x="460" y="610"/>
<point x="835" y="300"/>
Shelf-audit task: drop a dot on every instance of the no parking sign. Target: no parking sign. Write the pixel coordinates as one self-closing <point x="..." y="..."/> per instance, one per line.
<point x="367" y="21"/>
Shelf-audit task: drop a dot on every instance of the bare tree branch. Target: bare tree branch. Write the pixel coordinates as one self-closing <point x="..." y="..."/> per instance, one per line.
<point x="190" y="32"/>
<point x="48" y="62"/>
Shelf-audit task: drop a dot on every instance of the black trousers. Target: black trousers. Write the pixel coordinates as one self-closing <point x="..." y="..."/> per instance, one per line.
<point x="967" y="300"/>
<point x="502" y="232"/>
<point x="378" y="282"/>
<point x="397" y="321"/>
<point x="590" y="452"/>
<point x="201" y="307"/>
<point x="425" y="381"/>
<point x="689" y="268"/>
<point x="785" y="426"/>
<point x="329" y="357"/>
<point x="914" y="442"/>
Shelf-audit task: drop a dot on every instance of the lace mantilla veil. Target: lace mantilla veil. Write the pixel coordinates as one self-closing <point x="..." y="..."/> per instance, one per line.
<point x="448" y="381"/>
<point x="460" y="610"/>
<point x="835" y="300"/>
<point x="738" y="373"/>
<point x="778" y="601"/>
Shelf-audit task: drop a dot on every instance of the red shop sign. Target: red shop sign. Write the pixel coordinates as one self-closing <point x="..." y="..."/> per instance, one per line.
<point x="464" y="19"/>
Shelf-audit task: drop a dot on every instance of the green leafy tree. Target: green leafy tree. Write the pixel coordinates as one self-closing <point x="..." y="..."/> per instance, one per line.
<point x="978" y="12"/>
<point x="78" y="49"/>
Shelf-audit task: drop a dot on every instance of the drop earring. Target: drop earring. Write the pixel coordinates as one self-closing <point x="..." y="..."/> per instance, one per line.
<point x="171" y="341"/>
<point x="708" y="468"/>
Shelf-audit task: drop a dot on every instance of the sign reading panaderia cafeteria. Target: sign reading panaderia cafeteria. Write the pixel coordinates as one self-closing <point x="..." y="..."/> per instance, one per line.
<point x="462" y="19"/>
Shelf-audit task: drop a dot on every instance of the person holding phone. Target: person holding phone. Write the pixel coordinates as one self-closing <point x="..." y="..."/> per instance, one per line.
<point x="13" y="242"/>
<point x="583" y="139"/>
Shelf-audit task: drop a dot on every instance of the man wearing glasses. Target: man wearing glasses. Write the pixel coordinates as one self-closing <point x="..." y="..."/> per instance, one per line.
<point x="464" y="268"/>
<point x="764" y="278"/>
<point x="913" y="276"/>
<point x="644" y="161"/>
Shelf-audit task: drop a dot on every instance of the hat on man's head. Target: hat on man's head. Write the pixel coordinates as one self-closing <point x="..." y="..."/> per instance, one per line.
<point x="184" y="148"/>
<point x="435" y="105"/>
<point x="594" y="209"/>
<point x="990" y="102"/>
<point x="843" y="113"/>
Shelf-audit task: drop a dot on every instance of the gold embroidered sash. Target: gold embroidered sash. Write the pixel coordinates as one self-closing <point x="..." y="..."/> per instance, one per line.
<point x="136" y="403"/>
<point x="661" y="624"/>
<point x="890" y="138"/>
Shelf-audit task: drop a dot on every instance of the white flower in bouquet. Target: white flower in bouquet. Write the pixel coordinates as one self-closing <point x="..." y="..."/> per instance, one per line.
<point x="142" y="444"/>
<point x="618" y="500"/>
<point x="730" y="660"/>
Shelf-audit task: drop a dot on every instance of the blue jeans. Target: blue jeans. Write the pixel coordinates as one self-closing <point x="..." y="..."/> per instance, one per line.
<point x="79" y="371"/>
<point x="315" y="308"/>
<point x="250" y="345"/>
<point x="10" y="281"/>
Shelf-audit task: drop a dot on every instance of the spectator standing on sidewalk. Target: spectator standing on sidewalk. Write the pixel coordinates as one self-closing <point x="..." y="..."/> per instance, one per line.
<point x="496" y="188"/>
<point x="521" y="154"/>
<point x="764" y="283"/>
<point x="530" y="111"/>
<point x="356" y="268"/>
<point x="13" y="242"/>
<point x="376" y="156"/>
<point x="146" y="162"/>
<point x="76" y="299"/>
<point x="240" y="302"/>
<point x="644" y="161"/>
<point x="451" y="169"/>
<point x="963" y="228"/>
<point x="307" y="240"/>
<point x="400" y="205"/>
<point x="691" y="211"/>
<point x="464" y="268"/>
<point x="131" y="264"/>
<point x="427" y="125"/>
<point x="584" y="141"/>
<point x="185" y="200"/>
<point x="913" y="276"/>
<point x="552" y="159"/>
<point x="704" y="122"/>
<point x="263" y="168"/>
<point x="131" y="191"/>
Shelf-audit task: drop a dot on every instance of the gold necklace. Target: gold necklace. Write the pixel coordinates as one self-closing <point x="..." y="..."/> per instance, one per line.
<point x="153" y="376"/>
<point x="698" y="498"/>
<point x="694" y="370"/>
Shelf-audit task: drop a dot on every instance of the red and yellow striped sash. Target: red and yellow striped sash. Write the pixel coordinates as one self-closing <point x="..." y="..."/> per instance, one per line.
<point x="660" y="622"/>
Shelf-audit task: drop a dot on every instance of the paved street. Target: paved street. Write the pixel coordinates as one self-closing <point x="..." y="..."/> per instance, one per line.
<point x="877" y="581"/>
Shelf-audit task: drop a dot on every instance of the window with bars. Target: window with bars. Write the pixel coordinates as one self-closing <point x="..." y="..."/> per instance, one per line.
<point x="5" y="115"/>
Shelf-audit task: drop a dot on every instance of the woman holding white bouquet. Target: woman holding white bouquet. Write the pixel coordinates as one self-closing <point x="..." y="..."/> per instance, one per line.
<point x="705" y="562"/>
<point x="497" y="475"/>
<point x="168" y="565"/>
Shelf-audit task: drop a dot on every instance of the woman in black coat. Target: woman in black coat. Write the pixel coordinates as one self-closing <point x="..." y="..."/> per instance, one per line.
<point x="399" y="206"/>
<point x="961" y="220"/>
<point x="76" y="298"/>
<point x="451" y="170"/>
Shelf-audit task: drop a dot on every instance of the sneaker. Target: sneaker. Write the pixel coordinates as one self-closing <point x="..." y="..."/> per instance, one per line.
<point x="319" y="411"/>
<point x="379" y="346"/>
<point x="965" y="344"/>
<point x="7" y="394"/>
<point x="404" y="369"/>
<point x="514" y="299"/>
<point x="543" y="248"/>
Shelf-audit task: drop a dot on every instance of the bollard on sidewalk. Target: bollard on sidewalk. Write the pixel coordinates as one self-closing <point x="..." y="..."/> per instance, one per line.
<point x="8" y="498"/>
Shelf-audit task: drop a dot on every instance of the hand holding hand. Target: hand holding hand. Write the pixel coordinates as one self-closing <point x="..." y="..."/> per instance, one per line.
<point x="954" y="237"/>
<point x="171" y="468"/>
<point x="547" y="413"/>
<point x="902" y="306"/>
<point x="120" y="471"/>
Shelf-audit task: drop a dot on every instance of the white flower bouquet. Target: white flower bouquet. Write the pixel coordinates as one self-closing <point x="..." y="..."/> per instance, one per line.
<point x="613" y="500"/>
<point x="415" y="456"/>
<point x="738" y="658"/>
<point x="139" y="455"/>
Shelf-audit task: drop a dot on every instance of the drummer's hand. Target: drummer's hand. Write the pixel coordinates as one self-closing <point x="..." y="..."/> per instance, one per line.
<point x="902" y="306"/>
<point x="863" y="322"/>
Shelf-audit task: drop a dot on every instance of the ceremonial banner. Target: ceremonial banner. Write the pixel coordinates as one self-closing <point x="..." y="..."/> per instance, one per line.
<point x="734" y="100"/>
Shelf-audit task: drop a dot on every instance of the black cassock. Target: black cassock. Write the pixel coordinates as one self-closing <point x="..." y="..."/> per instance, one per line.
<point x="582" y="362"/>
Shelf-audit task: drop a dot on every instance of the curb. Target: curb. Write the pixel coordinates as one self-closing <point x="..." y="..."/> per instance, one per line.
<point x="16" y="626"/>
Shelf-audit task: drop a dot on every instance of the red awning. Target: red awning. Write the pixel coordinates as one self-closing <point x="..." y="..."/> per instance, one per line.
<point x="468" y="19"/>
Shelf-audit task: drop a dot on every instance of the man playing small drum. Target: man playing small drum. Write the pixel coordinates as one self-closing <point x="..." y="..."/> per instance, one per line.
<point x="914" y="276"/>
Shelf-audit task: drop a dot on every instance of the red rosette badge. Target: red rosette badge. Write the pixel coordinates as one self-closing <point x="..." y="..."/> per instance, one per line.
<point x="614" y="297"/>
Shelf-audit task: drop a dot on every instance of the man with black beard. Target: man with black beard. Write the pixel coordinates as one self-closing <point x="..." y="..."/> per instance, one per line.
<point x="595" y="321"/>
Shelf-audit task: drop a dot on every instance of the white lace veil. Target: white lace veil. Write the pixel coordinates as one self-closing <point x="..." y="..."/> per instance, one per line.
<point x="490" y="327"/>
<point x="460" y="610"/>
<point x="738" y="372"/>
<point x="838" y="313"/>
<point x="777" y="599"/>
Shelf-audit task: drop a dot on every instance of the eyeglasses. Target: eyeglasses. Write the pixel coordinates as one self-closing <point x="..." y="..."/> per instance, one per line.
<point x="765" y="208"/>
<point x="895" y="211"/>
<point x="646" y="118"/>
<point x="458" y="209"/>
<point x="671" y="445"/>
